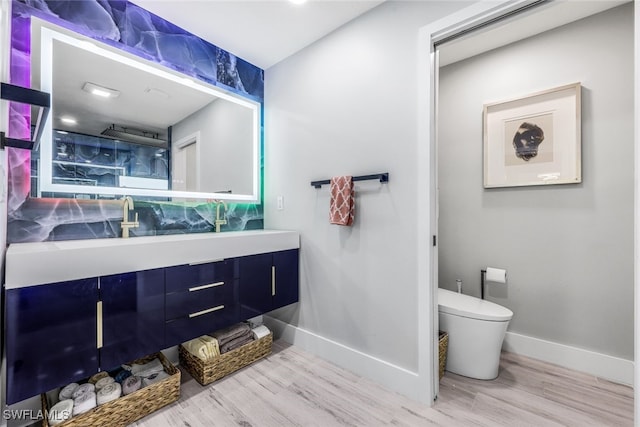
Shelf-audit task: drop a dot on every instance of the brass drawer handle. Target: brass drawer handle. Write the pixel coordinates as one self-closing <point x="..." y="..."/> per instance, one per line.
<point x="211" y="285"/>
<point x="273" y="280"/>
<point x="99" y="324"/>
<point x="209" y="310"/>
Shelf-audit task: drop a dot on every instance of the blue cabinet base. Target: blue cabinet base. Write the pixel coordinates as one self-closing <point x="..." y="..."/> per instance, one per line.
<point x="52" y="336"/>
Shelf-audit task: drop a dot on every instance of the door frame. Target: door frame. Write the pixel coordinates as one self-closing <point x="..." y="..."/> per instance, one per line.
<point x="457" y="23"/>
<point x="180" y="145"/>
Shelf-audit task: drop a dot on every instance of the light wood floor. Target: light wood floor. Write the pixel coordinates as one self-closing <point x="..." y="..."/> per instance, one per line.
<point x="294" y="388"/>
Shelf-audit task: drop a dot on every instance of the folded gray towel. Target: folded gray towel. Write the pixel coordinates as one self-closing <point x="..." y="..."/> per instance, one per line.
<point x="225" y="335"/>
<point x="237" y="342"/>
<point x="146" y="369"/>
<point x="147" y="381"/>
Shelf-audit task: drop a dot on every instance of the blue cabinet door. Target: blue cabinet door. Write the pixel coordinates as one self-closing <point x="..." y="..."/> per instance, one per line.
<point x="268" y="281"/>
<point x="255" y="284"/>
<point x="51" y="336"/>
<point x="133" y="316"/>
<point x="286" y="278"/>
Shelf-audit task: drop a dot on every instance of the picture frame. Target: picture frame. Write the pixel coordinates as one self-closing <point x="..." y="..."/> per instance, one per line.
<point x="533" y="140"/>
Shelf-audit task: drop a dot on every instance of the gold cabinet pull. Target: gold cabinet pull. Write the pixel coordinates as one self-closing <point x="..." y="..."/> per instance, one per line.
<point x="210" y="285"/>
<point x="208" y="310"/>
<point x="273" y="280"/>
<point x="99" y="324"/>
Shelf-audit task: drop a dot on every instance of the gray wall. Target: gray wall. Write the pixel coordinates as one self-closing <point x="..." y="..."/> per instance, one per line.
<point x="568" y="249"/>
<point x="347" y="104"/>
<point x="226" y="151"/>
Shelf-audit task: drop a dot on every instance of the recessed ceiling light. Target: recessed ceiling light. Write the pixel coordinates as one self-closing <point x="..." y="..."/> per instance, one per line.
<point x="69" y="120"/>
<point x="298" y="1"/>
<point x="100" y="91"/>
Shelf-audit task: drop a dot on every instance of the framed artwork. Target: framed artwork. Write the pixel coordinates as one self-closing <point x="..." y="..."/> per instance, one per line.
<point x="533" y="140"/>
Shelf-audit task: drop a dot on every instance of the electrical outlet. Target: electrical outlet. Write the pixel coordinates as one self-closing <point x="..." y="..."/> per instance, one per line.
<point x="280" y="203"/>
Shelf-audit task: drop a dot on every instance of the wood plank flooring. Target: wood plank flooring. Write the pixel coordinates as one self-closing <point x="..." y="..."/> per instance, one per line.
<point x="294" y="388"/>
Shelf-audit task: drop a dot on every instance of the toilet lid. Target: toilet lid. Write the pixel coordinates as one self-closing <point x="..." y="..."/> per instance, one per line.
<point x="474" y="308"/>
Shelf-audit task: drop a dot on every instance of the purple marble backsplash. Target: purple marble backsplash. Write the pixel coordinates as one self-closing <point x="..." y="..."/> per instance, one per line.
<point x="131" y="28"/>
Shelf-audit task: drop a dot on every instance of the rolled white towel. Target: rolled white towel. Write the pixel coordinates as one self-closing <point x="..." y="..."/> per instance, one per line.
<point x="146" y="369"/>
<point x="82" y="389"/>
<point x="97" y="377"/>
<point x="60" y="412"/>
<point x="260" y="331"/>
<point x="83" y="403"/>
<point x="67" y="391"/>
<point x="154" y="378"/>
<point x="131" y="384"/>
<point x="103" y="382"/>
<point x="109" y="392"/>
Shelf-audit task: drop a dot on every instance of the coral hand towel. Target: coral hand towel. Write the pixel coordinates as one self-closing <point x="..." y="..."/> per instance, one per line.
<point x="341" y="207"/>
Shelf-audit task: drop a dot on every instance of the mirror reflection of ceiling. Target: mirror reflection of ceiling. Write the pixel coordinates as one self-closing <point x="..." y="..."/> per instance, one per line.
<point x="541" y="18"/>
<point x="149" y="99"/>
<point x="145" y="101"/>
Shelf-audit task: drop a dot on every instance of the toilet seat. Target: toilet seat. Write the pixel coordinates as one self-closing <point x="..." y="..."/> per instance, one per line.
<point x="467" y="306"/>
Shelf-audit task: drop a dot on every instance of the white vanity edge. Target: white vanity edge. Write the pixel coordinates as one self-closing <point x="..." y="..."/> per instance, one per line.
<point x="29" y="264"/>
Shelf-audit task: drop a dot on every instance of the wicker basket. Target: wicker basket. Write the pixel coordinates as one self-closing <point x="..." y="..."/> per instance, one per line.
<point x="443" y="340"/>
<point x="127" y="409"/>
<point x="210" y="371"/>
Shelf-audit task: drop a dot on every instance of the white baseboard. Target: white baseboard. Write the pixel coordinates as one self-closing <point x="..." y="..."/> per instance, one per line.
<point x="597" y="364"/>
<point x="384" y="373"/>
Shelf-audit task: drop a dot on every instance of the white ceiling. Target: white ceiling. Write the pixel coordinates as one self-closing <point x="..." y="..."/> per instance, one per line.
<point x="262" y="32"/>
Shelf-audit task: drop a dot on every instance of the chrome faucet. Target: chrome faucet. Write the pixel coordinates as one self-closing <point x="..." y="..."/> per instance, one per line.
<point x="126" y="224"/>
<point x="220" y="221"/>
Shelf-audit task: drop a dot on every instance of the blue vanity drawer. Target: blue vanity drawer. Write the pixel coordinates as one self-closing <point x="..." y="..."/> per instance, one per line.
<point x="180" y="330"/>
<point x="197" y="298"/>
<point x="182" y="277"/>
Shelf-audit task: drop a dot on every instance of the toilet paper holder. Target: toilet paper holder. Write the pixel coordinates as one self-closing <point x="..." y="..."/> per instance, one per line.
<point x="497" y="275"/>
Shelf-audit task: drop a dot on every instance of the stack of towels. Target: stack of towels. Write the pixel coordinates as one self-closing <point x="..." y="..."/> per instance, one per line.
<point x="208" y="347"/>
<point x="82" y="396"/>
<point x="147" y="373"/>
<point x="204" y="348"/>
<point x="233" y="337"/>
<point x="75" y="399"/>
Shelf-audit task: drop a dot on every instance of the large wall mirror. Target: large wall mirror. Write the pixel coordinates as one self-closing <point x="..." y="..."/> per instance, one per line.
<point x="122" y="125"/>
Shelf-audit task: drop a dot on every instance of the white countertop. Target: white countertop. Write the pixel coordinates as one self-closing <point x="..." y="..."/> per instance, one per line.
<point x="29" y="264"/>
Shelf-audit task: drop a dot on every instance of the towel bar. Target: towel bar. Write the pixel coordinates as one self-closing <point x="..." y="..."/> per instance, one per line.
<point x="383" y="177"/>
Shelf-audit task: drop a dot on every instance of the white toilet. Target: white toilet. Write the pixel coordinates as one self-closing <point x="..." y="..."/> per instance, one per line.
<point x="476" y="329"/>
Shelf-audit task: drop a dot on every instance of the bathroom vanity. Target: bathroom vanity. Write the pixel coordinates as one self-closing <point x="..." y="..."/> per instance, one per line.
<point x="120" y="299"/>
